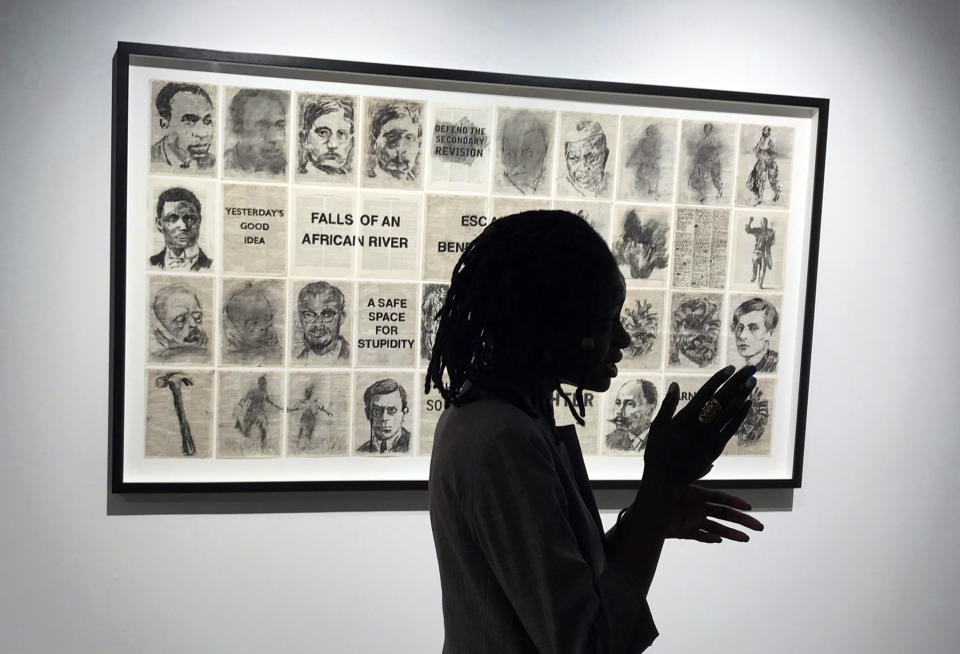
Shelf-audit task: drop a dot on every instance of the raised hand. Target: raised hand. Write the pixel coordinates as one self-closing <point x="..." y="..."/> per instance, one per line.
<point x="681" y="448"/>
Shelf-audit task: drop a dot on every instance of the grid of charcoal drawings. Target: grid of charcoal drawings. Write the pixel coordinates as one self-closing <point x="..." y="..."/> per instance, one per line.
<point x="300" y="245"/>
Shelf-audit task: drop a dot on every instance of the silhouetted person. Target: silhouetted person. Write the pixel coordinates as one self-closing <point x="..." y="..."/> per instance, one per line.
<point x="525" y="566"/>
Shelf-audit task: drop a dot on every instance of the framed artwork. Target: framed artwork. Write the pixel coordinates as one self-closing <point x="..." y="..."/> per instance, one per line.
<point x="284" y="230"/>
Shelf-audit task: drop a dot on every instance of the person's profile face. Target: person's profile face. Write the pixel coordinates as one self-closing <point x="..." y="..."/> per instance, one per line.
<point x="183" y="318"/>
<point x="320" y="317"/>
<point x="765" y="132"/>
<point x="329" y="142"/>
<point x="386" y="415"/>
<point x="764" y="222"/>
<point x="631" y="412"/>
<point x="523" y="157"/>
<point x="585" y="160"/>
<point x="263" y="129"/>
<point x="751" y="334"/>
<point x="398" y="147"/>
<point x="179" y="222"/>
<point x="609" y="338"/>
<point x="190" y="128"/>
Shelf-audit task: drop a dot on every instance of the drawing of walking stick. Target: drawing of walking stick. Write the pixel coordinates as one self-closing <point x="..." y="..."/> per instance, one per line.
<point x="174" y="381"/>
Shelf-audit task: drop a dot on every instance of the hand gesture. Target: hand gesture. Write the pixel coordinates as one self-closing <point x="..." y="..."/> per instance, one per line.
<point x="682" y="448"/>
<point x="692" y="513"/>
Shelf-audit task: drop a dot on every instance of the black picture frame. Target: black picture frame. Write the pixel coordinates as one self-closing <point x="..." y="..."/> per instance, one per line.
<point x="129" y="54"/>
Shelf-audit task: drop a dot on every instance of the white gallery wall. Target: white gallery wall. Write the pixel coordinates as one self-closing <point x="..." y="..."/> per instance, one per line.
<point x="862" y="558"/>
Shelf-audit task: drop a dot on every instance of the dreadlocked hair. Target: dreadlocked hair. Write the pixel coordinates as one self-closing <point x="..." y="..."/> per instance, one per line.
<point x="523" y="292"/>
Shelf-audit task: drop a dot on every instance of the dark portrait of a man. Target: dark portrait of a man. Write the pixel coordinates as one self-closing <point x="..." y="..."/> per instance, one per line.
<point x="187" y="121"/>
<point x="248" y="326"/>
<point x="178" y="333"/>
<point x="632" y="416"/>
<point x="394" y="143"/>
<point x="258" y="123"/>
<point x="385" y="405"/>
<point x="754" y="324"/>
<point x="696" y="332"/>
<point x="643" y="245"/>
<point x="523" y="150"/>
<point x="326" y="136"/>
<point x="585" y="153"/>
<point x="178" y="219"/>
<point x="321" y="311"/>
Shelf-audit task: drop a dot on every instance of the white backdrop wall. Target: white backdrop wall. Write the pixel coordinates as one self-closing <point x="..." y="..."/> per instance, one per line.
<point x="864" y="560"/>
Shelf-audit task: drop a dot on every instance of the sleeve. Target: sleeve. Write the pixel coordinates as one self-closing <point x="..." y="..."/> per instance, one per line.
<point x="519" y="512"/>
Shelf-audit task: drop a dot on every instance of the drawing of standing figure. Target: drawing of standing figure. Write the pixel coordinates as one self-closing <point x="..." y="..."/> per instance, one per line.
<point x="309" y="406"/>
<point x="251" y="411"/>
<point x="765" y="170"/>
<point x="706" y="163"/>
<point x="764" y="236"/>
<point x="646" y="160"/>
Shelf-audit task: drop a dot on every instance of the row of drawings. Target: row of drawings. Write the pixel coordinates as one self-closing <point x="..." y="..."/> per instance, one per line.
<point x="253" y="412"/>
<point x="381" y="324"/>
<point x="401" y="143"/>
<point x="390" y="320"/>
<point x="378" y="235"/>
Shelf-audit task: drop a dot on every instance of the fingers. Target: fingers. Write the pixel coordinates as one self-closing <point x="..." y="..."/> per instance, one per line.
<point x="719" y="497"/>
<point x="669" y="406"/>
<point x="732" y="426"/>
<point x="710" y="387"/>
<point x="732" y="515"/>
<point x="724" y="531"/>
<point x="707" y="537"/>
<point x="735" y="392"/>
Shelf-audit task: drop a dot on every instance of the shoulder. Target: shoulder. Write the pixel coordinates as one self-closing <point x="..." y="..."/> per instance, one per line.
<point x="481" y="435"/>
<point x="156" y="152"/>
<point x="157" y="259"/>
<point x="203" y="261"/>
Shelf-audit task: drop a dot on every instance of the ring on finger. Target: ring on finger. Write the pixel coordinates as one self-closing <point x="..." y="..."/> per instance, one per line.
<point x="710" y="410"/>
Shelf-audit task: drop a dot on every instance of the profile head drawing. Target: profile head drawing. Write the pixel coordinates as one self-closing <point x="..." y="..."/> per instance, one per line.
<point x="533" y="302"/>
<point x="326" y="137"/>
<point x="432" y="304"/>
<point x="179" y="321"/>
<point x="394" y="142"/>
<point x="248" y="321"/>
<point x="186" y="120"/>
<point x="632" y="414"/>
<point x="258" y="123"/>
<point x="754" y="323"/>
<point x="585" y="154"/>
<point x="524" y="141"/>
<point x="385" y="406"/>
<point x="707" y="128"/>
<point x="765" y="132"/>
<point x="642" y="246"/>
<point x="696" y="331"/>
<point x="321" y="310"/>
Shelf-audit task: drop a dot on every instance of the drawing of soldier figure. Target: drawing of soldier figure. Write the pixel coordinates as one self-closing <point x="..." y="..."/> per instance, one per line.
<point x="764" y="238"/>
<point x="765" y="170"/>
<point x="706" y="164"/>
